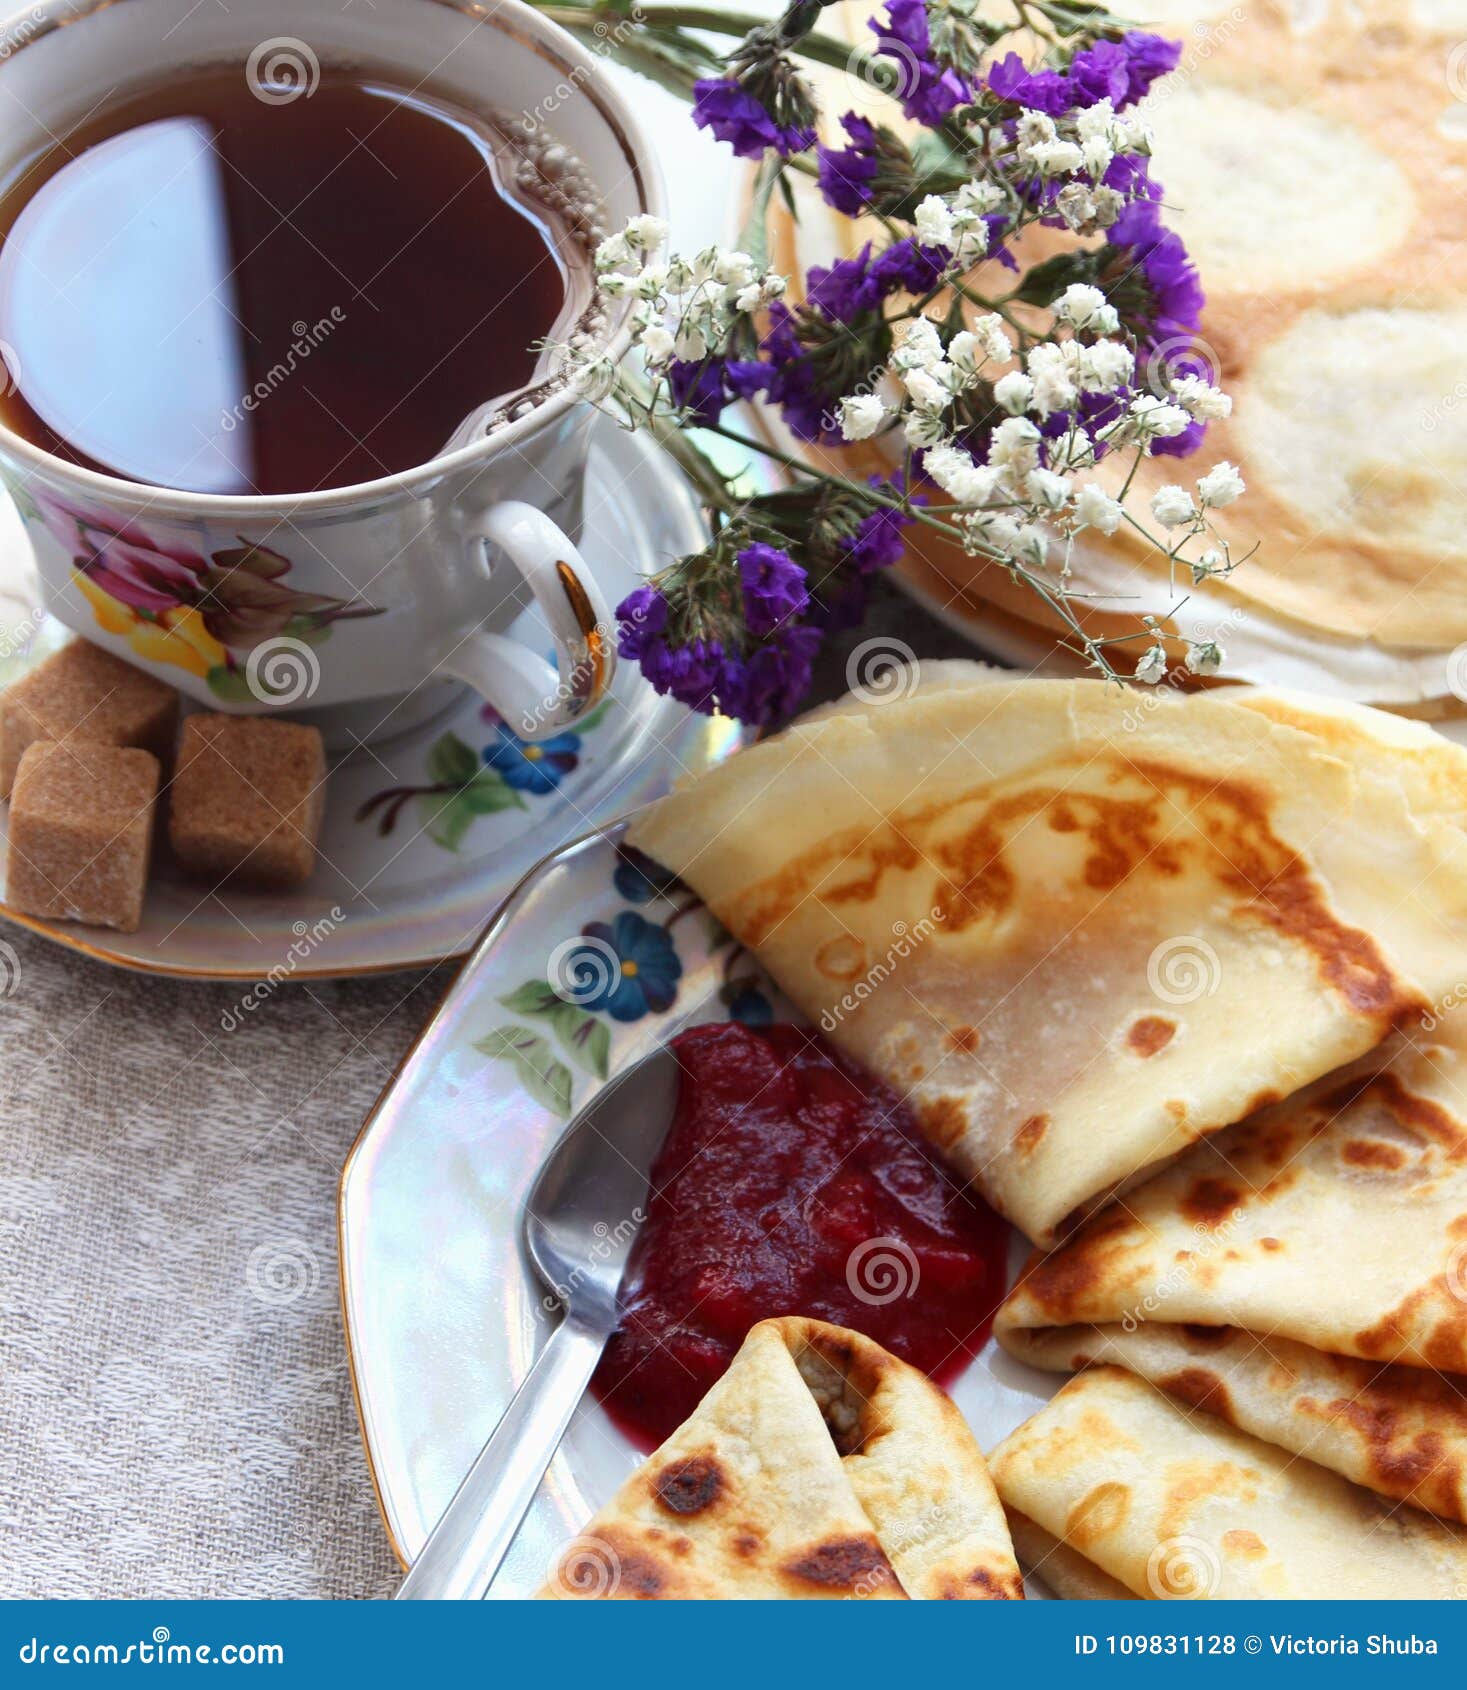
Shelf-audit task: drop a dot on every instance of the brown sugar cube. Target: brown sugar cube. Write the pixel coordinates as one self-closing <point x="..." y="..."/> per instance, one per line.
<point x="81" y="829"/>
<point x="82" y="693"/>
<point x="246" y="800"/>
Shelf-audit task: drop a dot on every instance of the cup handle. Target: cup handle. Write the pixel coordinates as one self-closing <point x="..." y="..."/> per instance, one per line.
<point x="537" y="698"/>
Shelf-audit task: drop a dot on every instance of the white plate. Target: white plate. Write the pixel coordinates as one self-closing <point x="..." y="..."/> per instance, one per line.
<point x="406" y="874"/>
<point x="443" y="1315"/>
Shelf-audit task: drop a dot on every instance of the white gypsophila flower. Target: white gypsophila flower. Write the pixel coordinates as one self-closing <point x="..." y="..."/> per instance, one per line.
<point x="1013" y="392"/>
<point x="1032" y="544"/>
<point x="1201" y="399"/>
<point x="612" y="252"/>
<point x="1049" y="491"/>
<point x="645" y="233"/>
<point x="958" y="476"/>
<point x="1130" y="133"/>
<point x="1146" y="419"/>
<point x="1097" y="154"/>
<point x="970" y="242"/>
<point x="1054" y="158"/>
<point x="993" y="528"/>
<point x="924" y="428"/>
<point x="990" y="333"/>
<point x="1109" y="204"/>
<point x="1035" y="128"/>
<point x="616" y="286"/>
<point x="920" y="347"/>
<point x="1087" y="308"/>
<point x="1076" y="205"/>
<point x="1051" y="366"/>
<point x="1152" y="666"/>
<point x="657" y="343"/>
<point x="1212" y="562"/>
<point x="1206" y="658"/>
<point x="690" y="344"/>
<point x="933" y="222"/>
<point x="1172" y="505"/>
<point x="962" y="352"/>
<point x="1096" y="122"/>
<point x="734" y="269"/>
<point x="1220" y="486"/>
<point x="976" y="199"/>
<point x="1014" y="445"/>
<point x="926" y="388"/>
<point x="1105" y="364"/>
<point x="1094" y="508"/>
<point x="749" y="298"/>
<point x="1075" y="450"/>
<point x="861" y="416"/>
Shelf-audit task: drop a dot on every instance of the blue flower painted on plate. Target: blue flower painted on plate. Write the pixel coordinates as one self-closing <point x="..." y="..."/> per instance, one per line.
<point x="532" y="767"/>
<point x="626" y="968"/>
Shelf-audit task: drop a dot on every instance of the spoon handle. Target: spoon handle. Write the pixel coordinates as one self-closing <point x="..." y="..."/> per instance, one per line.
<point x="465" y="1548"/>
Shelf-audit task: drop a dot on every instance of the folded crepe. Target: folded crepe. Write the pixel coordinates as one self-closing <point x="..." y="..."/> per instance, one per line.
<point x="1080" y="927"/>
<point x="1302" y="1276"/>
<point x="818" y="1466"/>
<point x="1115" y="1489"/>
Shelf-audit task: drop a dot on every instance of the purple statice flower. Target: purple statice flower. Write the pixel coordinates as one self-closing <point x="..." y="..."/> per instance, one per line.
<point x="846" y="173"/>
<point x="1100" y="72"/>
<point x="792" y="383"/>
<point x="1039" y="90"/>
<point x="1160" y="258"/>
<point x="844" y="290"/>
<point x="773" y="586"/>
<point x="735" y="116"/>
<point x="773" y="680"/>
<point x="1148" y="58"/>
<point x="703" y="387"/>
<point x="641" y="616"/>
<point x="909" y="266"/>
<point x="928" y="91"/>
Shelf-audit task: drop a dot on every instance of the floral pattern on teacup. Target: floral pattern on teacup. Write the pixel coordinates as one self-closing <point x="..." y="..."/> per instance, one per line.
<point x="176" y="606"/>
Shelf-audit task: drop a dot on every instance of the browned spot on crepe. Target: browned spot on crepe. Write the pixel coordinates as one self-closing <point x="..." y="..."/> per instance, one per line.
<point x="690" y="1486"/>
<point x="1150" y="1034"/>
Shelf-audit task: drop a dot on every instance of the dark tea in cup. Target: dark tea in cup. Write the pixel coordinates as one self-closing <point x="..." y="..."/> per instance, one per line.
<point x="222" y="285"/>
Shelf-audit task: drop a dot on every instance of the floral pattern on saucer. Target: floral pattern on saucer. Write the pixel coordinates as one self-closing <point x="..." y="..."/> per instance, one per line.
<point x="464" y="784"/>
<point x="621" y="969"/>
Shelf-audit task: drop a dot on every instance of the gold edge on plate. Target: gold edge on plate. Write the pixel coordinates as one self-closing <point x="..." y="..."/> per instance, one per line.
<point x="488" y="934"/>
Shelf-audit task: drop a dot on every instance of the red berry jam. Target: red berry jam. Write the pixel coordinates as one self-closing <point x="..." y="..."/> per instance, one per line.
<point x="792" y="1183"/>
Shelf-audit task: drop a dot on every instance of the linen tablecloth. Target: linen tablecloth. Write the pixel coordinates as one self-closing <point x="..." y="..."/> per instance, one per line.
<point x="176" y="1415"/>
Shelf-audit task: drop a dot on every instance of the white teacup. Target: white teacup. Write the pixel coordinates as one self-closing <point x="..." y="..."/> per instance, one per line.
<point x="429" y="567"/>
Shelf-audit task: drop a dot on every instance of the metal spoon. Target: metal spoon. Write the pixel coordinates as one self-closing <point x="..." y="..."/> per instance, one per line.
<point x="580" y="1220"/>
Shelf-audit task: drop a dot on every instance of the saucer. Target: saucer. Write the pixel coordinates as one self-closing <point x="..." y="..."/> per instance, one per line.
<point x="424" y="833"/>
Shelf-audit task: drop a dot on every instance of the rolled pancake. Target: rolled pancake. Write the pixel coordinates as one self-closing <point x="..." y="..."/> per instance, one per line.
<point x="1303" y="1276"/>
<point x="818" y="1466"/>
<point x="1170" y="1502"/>
<point x="1080" y="927"/>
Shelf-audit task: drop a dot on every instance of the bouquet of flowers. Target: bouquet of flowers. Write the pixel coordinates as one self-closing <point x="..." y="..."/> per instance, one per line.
<point x="995" y="383"/>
